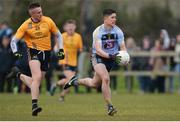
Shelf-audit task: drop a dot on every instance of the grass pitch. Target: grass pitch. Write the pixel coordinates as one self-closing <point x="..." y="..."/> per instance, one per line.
<point x="91" y="107"/>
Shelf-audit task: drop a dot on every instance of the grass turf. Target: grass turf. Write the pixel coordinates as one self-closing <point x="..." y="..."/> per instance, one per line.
<point x="91" y="107"/>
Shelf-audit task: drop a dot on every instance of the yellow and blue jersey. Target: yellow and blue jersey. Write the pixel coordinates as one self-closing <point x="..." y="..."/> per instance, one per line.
<point x="37" y="35"/>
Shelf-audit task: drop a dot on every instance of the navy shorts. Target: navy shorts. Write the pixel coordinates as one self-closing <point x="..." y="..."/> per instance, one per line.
<point x="71" y="68"/>
<point x="109" y="63"/>
<point x="42" y="56"/>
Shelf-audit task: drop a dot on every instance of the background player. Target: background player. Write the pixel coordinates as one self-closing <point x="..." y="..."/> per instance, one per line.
<point x="72" y="45"/>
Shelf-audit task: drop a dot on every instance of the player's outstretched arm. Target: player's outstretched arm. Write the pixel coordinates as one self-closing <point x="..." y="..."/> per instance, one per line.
<point x="14" y="48"/>
<point x="59" y="46"/>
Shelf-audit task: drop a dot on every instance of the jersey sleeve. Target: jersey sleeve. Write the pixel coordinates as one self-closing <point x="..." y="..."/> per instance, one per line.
<point x="96" y="36"/>
<point x="120" y="35"/>
<point x="80" y="44"/>
<point x="21" y="31"/>
<point x="53" y="27"/>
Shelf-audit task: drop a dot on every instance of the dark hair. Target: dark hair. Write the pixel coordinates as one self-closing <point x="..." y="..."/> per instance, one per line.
<point x="108" y="12"/>
<point x="71" y="21"/>
<point x="34" y="5"/>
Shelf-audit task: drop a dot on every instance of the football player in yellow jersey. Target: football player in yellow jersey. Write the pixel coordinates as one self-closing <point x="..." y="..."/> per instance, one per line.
<point x="72" y="45"/>
<point x="36" y="32"/>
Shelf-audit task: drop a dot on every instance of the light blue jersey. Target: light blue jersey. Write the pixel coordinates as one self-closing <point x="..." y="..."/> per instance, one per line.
<point x="109" y="39"/>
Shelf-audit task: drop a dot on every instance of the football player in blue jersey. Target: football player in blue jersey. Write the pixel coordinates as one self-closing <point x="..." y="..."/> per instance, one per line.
<point x="108" y="39"/>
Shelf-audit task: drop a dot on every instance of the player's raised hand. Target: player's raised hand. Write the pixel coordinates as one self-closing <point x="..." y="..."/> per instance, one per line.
<point x="61" y="54"/>
<point x="18" y="55"/>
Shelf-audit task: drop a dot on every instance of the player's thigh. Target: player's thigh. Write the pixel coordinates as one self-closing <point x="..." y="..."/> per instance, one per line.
<point x="35" y="68"/>
<point x="101" y="71"/>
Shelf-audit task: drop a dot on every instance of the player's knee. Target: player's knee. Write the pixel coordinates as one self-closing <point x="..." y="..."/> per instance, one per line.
<point x="37" y="77"/>
<point x="106" y="79"/>
<point x="92" y="83"/>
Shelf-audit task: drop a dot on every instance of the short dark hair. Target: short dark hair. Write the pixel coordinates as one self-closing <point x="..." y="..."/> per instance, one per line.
<point x="71" y="21"/>
<point x="34" y="5"/>
<point x="108" y="12"/>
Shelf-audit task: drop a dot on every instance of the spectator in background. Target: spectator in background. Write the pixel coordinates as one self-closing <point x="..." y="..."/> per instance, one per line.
<point x="6" y="63"/>
<point x="164" y="39"/>
<point x="177" y="58"/>
<point x="158" y="65"/>
<point x="166" y="46"/>
<point x="22" y="64"/>
<point x="144" y="66"/>
<point x="172" y="66"/>
<point x="5" y="30"/>
<point x="72" y="46"/>
<point x="114" y="78"/>
<point x="53" y="65"/>
<point x="131" y="47"/>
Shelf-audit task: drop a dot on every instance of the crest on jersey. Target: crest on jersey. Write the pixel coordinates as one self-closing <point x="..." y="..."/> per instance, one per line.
<point x="109" y="36"/>
<point x="37" y="27"/>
